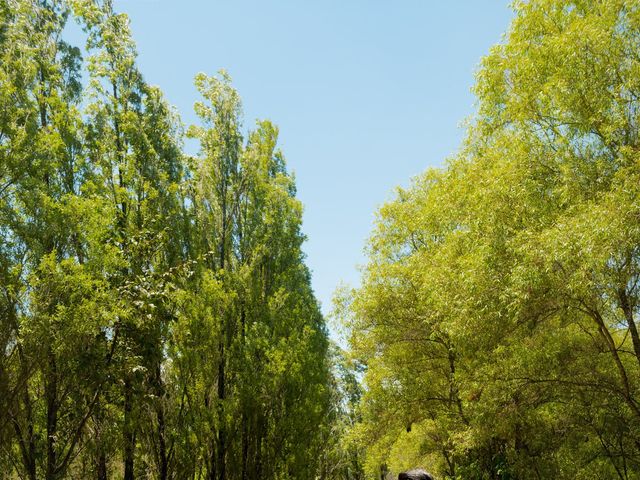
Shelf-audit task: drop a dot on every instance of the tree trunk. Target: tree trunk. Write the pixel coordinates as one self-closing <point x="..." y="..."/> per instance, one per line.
<point x="129" y="433"/>
<point x="162" y="444"/>
<point x="101" y="470"/>
<point x="28" y="444"/>
<point x="221" y="428"/>
<point x="627" y="308"/>
<point x="245" y="446"/>
<point x="51" y="394"/>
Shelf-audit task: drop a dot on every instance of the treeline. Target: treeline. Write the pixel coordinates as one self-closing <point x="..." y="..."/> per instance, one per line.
<point x="156" y="315"/>
<point x="498" y="314"/>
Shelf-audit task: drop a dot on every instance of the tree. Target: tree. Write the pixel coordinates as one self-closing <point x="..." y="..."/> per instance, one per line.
<point x="498" y="312"/>
<point x="42" y="234"/>
<point x="157" y="315"/>
<point x="267" y="326"/>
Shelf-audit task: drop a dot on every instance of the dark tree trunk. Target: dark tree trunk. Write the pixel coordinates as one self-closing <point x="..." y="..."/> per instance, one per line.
<point x="245" y="446"/>
<point x="212" y="461"/>
<point x="28" y="444"/>
<point x="129" y="433"/>
<point x="162" y="444"/>
<point x="51" y="393"/>
<point x="628" y="308"/>
<point x="101" y="470"/>
<point x="221" y="429"/>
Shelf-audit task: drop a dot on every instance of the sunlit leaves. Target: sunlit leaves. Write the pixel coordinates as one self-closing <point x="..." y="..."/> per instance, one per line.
<point x="500" y="297"/>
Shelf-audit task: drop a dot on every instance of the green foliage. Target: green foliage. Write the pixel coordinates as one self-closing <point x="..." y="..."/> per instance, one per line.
<point x="156" y="315"/>
<point x="498" y="312"/>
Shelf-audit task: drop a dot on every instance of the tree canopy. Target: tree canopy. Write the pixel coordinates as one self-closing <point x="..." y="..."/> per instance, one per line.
<point x="157" y="317"/>
<point x="497" y="316"/>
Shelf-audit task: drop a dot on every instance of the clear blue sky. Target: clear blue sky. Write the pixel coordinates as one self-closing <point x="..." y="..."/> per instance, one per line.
<point x="367" y="93"/>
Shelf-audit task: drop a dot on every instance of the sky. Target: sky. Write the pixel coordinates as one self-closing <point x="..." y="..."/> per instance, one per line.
<point x="366" y="93"/>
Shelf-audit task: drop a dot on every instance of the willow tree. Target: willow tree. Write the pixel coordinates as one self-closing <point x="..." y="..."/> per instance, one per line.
<point x="498" y="312"/>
